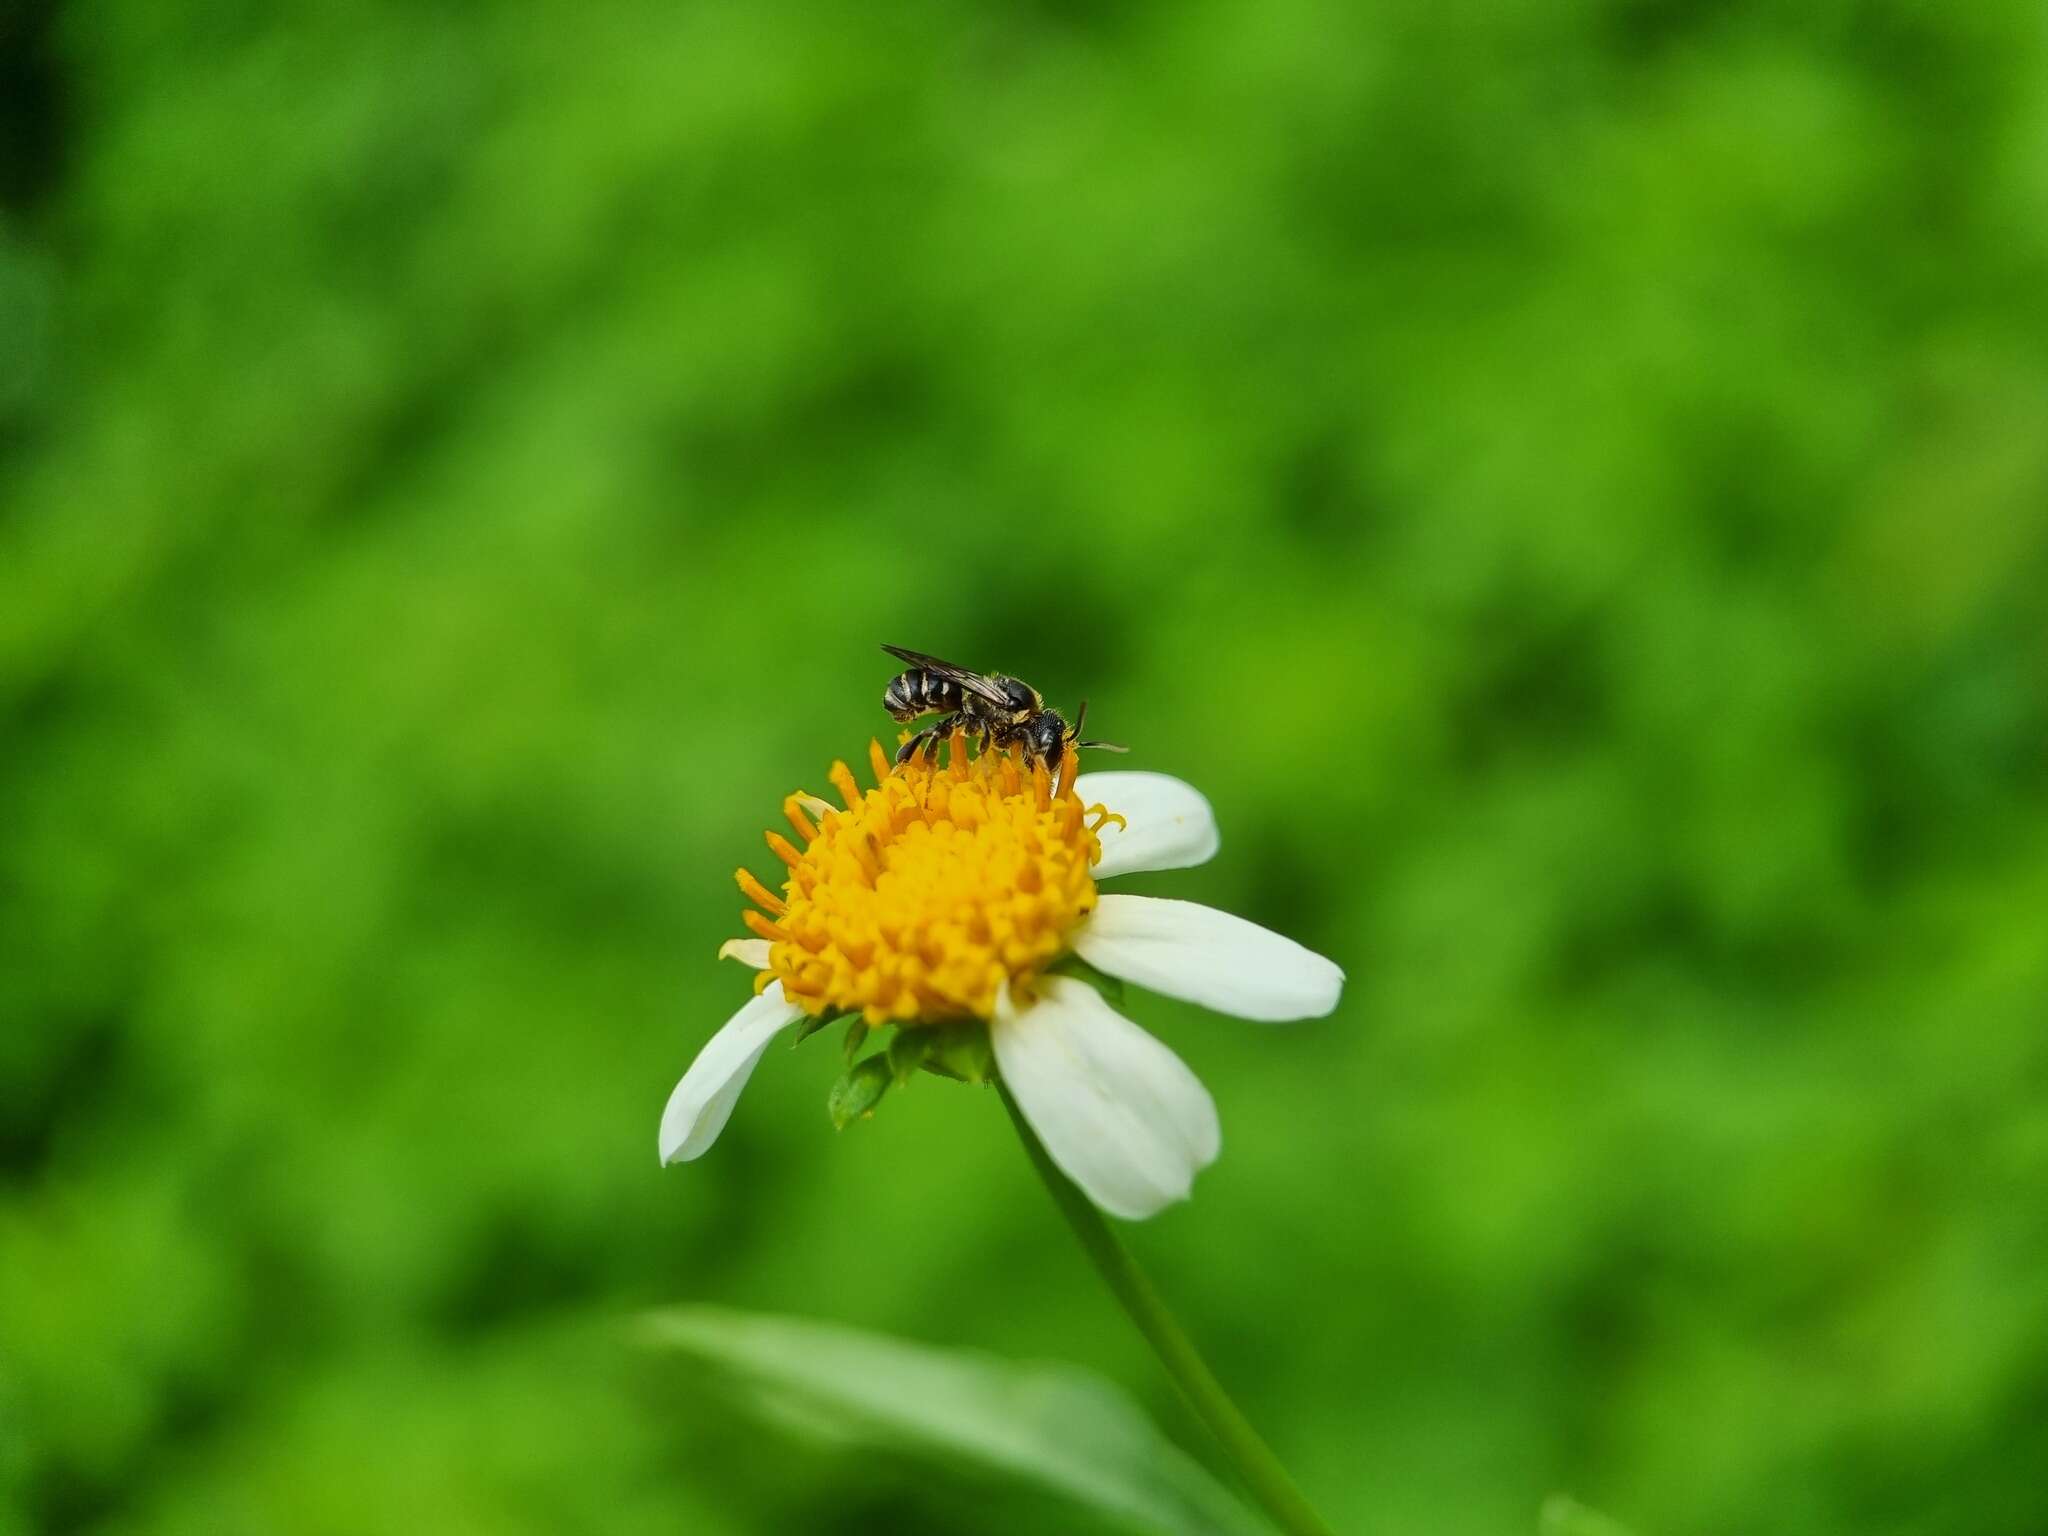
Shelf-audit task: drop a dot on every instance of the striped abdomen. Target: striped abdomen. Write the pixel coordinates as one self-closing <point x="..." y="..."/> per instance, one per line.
<point x="918" y="692"/>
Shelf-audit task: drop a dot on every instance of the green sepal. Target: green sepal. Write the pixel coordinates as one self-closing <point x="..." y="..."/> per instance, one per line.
<point x="858" y="1091"/>
<point x="808" y="1026"/>
<point x="856" y="1035"/>
<point x="1111" y="987"/>
<point x="959" y="1050"/>
<point x="907" y="1052"/>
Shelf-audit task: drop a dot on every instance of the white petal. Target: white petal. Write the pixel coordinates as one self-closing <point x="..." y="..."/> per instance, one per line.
<point x="1171" y="825"/>
<point x="1190" y="951"/>
<point x="1120" y="1114"/>
<point x="752" y="952"/>
<point x="703" y="1100"/>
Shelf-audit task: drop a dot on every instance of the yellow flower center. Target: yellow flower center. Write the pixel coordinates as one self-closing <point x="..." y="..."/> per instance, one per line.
<point x="920" y="899"/>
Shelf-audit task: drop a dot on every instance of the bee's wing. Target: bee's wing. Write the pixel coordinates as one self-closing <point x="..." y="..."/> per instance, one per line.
<point x="973" y="682"/>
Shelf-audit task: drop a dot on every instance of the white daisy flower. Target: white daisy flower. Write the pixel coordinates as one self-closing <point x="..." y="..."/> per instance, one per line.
<point x="947" y="894"/>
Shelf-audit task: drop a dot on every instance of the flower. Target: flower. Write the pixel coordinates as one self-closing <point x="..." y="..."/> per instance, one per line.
<point x="947" y="894"/>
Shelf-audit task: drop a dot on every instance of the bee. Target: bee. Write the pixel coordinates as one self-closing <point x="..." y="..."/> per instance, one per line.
<point x="1003" y="711"/>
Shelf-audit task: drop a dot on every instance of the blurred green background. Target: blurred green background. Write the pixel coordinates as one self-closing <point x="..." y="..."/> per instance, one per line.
<point x="1571" y="483"/>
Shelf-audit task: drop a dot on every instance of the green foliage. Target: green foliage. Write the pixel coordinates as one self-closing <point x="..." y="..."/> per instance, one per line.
<point x="1567" y="1517"/>
<point x="1568" y="483"/>
<point x="1053" y="1425"/>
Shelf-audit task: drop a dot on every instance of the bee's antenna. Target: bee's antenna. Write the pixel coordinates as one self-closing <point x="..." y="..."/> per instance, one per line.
<point x="1074" y="735"/>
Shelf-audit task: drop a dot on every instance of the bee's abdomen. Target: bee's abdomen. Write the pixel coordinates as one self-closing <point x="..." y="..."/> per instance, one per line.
<point x="918" y="692"/>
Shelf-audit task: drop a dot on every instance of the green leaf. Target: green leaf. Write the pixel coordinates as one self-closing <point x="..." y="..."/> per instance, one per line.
<point x="858" y="1091"/>
<point x="856" y="1035"/>
<point x="907" y="1052"/>
<point x="1567" y="1517"/>
<point x="1055" y="1426"/>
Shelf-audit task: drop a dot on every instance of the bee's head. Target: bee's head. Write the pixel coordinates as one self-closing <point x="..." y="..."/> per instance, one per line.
<point x="1023" y="698"/>
<point x="1048" y="735"/>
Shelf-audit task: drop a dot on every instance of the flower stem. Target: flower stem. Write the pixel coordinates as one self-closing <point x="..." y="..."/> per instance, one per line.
<point x="1250" y="1455"/>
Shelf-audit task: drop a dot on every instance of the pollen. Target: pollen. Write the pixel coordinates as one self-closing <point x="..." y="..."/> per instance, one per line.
<point x="916" y="901"/>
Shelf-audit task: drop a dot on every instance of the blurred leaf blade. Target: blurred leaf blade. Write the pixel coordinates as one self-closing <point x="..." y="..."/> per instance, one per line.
<point x="1056" y="1426"/>
<point x="1564" y="1516"/>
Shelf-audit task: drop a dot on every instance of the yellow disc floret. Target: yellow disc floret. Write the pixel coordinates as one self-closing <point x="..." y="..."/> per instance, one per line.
<point x="917" y="902"/>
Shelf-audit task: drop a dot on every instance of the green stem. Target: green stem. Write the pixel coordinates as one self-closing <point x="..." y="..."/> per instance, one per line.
<point x="1250" y="1455"/>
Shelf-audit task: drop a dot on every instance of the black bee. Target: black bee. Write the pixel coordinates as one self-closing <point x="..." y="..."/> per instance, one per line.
<point x="1003" y="711"/>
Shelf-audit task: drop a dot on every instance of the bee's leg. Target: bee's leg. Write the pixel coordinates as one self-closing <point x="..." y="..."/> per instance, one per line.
<point x="930" y="736"/>
<point x="972" y="725"/>
<point x="909" y="748"/>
